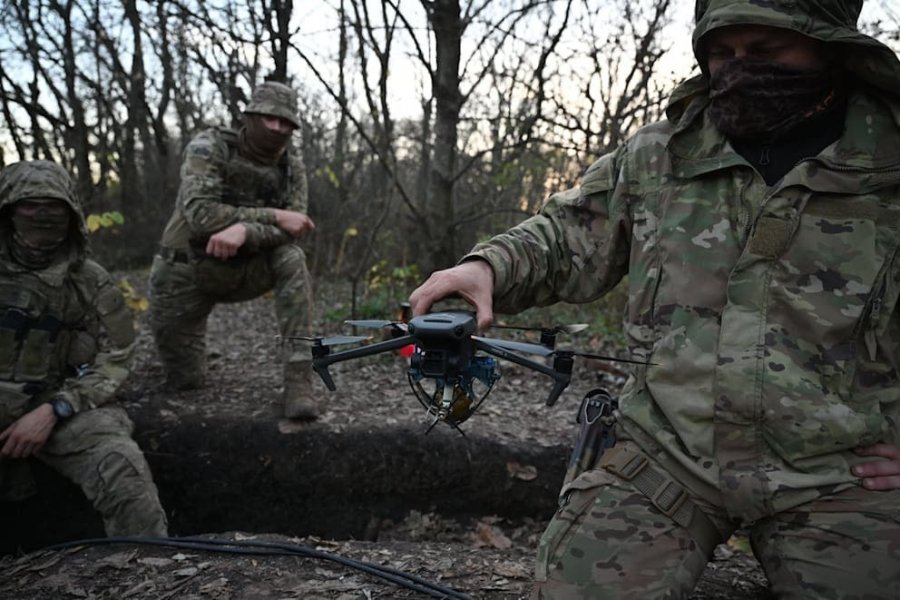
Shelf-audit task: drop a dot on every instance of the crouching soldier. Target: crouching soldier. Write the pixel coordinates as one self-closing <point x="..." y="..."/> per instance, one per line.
<point x="233" y="236"/>
<point x="66" y="343"/>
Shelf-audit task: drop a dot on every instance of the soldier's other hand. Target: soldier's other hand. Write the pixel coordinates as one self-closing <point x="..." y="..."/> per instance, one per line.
<point x="226" y="243"/>
<point x="293" y="223"/>
<point x="473" y="281"/>
<point x="879" y="474"/>
<point x="29" y="434"/>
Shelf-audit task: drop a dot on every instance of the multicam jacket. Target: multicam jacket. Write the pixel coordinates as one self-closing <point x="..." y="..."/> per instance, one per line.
<point x="219" y="188"/>
<point x="771" y="313"/>
<point x="63" y="328"/>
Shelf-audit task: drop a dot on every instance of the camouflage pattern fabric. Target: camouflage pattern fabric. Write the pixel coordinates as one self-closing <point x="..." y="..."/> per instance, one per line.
<point x="219" y="188"/>
<point x="66" y="329"/>
<point x="607" y="540"/>
<point x="95" y="450"/>
<point x="277" y="99"/>
<point x="770" y="311"/>
<point x="183" y="295"/>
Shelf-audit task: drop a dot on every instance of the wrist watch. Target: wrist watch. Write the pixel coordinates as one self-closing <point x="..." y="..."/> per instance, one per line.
<point x="62" y="408"/>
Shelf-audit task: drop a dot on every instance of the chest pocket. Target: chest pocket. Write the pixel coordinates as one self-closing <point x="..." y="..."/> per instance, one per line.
<point x="31" y="335"/>
<point x="834" y="269"/>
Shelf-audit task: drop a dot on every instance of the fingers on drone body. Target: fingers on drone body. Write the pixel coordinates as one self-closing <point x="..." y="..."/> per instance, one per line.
<point x="473" y="281"/>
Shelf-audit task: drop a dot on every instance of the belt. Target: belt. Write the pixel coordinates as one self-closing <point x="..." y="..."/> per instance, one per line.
<point x="665" y="493"/>
<point x="174" y="255"/>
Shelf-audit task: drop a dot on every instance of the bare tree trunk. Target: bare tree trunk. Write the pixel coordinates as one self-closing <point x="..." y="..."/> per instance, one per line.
<point x="448" y="28"/>
<point x="280" y="36"/>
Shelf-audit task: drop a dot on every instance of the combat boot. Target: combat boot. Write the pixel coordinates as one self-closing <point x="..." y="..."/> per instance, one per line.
<point x="300" y="397"/>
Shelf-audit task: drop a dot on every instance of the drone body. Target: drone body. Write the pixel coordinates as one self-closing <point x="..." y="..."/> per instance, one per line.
<point x="446" y="351"/>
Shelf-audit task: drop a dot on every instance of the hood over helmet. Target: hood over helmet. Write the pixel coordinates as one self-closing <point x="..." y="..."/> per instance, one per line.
<point x="276" y="99"/>
<point x="40" y="180"/>
<point x="829" y="21"/>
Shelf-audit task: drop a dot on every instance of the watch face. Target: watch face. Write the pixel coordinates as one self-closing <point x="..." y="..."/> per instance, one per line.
<point x="61" y="408"/>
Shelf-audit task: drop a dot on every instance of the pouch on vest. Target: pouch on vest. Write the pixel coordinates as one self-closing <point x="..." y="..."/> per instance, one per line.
<point x="13" y="325"/>
<point x="37" y="349"/>
<point x="15" y="401"/>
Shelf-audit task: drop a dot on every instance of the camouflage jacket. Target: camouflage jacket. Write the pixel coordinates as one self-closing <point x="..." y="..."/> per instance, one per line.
<point x="65" y="327"/>
<point x="771" y="312"/>
<point x="219" y="188"/>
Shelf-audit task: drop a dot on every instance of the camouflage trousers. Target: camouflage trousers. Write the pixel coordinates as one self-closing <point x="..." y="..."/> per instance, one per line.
<point x="183" y="293"/>
<point x="608" y="540"/>
<point x="94" y="449"/>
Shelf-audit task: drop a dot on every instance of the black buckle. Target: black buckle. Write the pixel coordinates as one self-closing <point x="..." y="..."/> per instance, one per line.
<point x="671" y="507"/>
<point x="628" y="470"/>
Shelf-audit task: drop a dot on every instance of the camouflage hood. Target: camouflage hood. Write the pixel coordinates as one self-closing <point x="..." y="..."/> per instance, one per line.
<point x="830" y="21"/>
<point x="40" y="179"/>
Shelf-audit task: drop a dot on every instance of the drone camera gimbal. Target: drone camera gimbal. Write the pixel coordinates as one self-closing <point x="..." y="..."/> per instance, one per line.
<point x="444" y="343"/>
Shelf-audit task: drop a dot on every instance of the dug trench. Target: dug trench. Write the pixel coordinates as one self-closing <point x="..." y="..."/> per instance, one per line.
<point x="219" y="474"/>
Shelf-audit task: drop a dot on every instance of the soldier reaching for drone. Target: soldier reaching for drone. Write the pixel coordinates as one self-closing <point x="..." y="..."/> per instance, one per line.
<point x="66" y="343"/>
<point x="759" y="226"/>
<point x="240" y="210"/>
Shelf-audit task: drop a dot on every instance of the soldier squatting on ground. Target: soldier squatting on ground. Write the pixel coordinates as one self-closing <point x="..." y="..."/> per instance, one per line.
<point x="66" y="344"/>
<point x="233" y="236"/>
<point x="759" y="226"/>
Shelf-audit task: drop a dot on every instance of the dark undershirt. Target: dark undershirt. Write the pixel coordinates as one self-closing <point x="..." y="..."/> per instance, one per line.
<point x="774" y="158"/>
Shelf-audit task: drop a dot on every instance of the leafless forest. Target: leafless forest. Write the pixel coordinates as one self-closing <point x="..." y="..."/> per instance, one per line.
<point x="427" y="124"/>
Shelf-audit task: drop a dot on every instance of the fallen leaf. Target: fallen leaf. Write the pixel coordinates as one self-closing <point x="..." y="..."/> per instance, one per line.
<point x="152" y="561"/>
<point x="523" y="472"/>
<point x="488" y="535"/>
<point x="118" y="560"/>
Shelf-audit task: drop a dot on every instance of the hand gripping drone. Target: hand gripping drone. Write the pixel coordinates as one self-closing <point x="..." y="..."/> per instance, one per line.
<point x="446" y="351"/>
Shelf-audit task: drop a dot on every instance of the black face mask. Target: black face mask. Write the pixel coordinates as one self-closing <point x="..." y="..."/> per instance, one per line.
<point x="752" y="99"/>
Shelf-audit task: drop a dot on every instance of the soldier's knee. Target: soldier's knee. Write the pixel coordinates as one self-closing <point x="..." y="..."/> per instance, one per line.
<point x="288" y="261"/>
<point x="123" y="470"/>
<point x="126" y="496"/>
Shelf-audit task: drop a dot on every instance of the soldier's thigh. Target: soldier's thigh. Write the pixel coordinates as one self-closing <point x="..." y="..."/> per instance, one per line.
<point x="174" y="296"/>
<point x="609" y="541"/>
<point x="86" y="434"/>
<point x="95" y="450"/>
<point x="844" y="546"/>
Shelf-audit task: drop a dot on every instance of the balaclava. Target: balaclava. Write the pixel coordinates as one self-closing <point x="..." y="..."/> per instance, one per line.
<point x="40" y="229"/>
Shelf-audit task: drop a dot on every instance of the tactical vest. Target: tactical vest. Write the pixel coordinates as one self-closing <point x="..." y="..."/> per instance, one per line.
<point x="249" y="184"/>
<point x="38" y="325"/>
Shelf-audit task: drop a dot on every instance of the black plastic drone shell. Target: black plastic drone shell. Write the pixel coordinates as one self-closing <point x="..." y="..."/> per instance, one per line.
<point x="457" y="324"/>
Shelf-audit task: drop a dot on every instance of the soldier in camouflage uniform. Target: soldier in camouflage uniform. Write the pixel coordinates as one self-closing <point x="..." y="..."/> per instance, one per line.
<point x="240" y="210"/>
<point x="759" y="226"/>
<point x="66" y="344"/>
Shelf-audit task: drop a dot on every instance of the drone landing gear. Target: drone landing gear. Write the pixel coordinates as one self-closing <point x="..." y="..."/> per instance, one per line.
<point x="453" y="400"/>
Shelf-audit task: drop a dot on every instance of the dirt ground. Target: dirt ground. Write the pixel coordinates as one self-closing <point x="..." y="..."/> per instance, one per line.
<point x="487" y="556"/>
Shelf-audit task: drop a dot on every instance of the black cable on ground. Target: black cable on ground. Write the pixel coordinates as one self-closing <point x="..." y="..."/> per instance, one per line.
<point x="249" y="547"/>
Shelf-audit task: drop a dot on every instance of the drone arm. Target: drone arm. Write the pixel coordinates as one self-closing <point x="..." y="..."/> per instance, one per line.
<point x="321" y="363"/>
<point x="560" y="378"/>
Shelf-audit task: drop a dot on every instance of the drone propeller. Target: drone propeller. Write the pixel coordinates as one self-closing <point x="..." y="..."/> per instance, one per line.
<point x="377" y="324"/>
<point x="524" y="347"/>
<point x="335" y="340"/>
<point x="541" y="350"/>
<point x="573" y="328"/>
<point x="548" y="334"/>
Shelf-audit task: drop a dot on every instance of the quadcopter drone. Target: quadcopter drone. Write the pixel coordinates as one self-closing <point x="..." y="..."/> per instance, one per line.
<point x="446" y="350"/>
